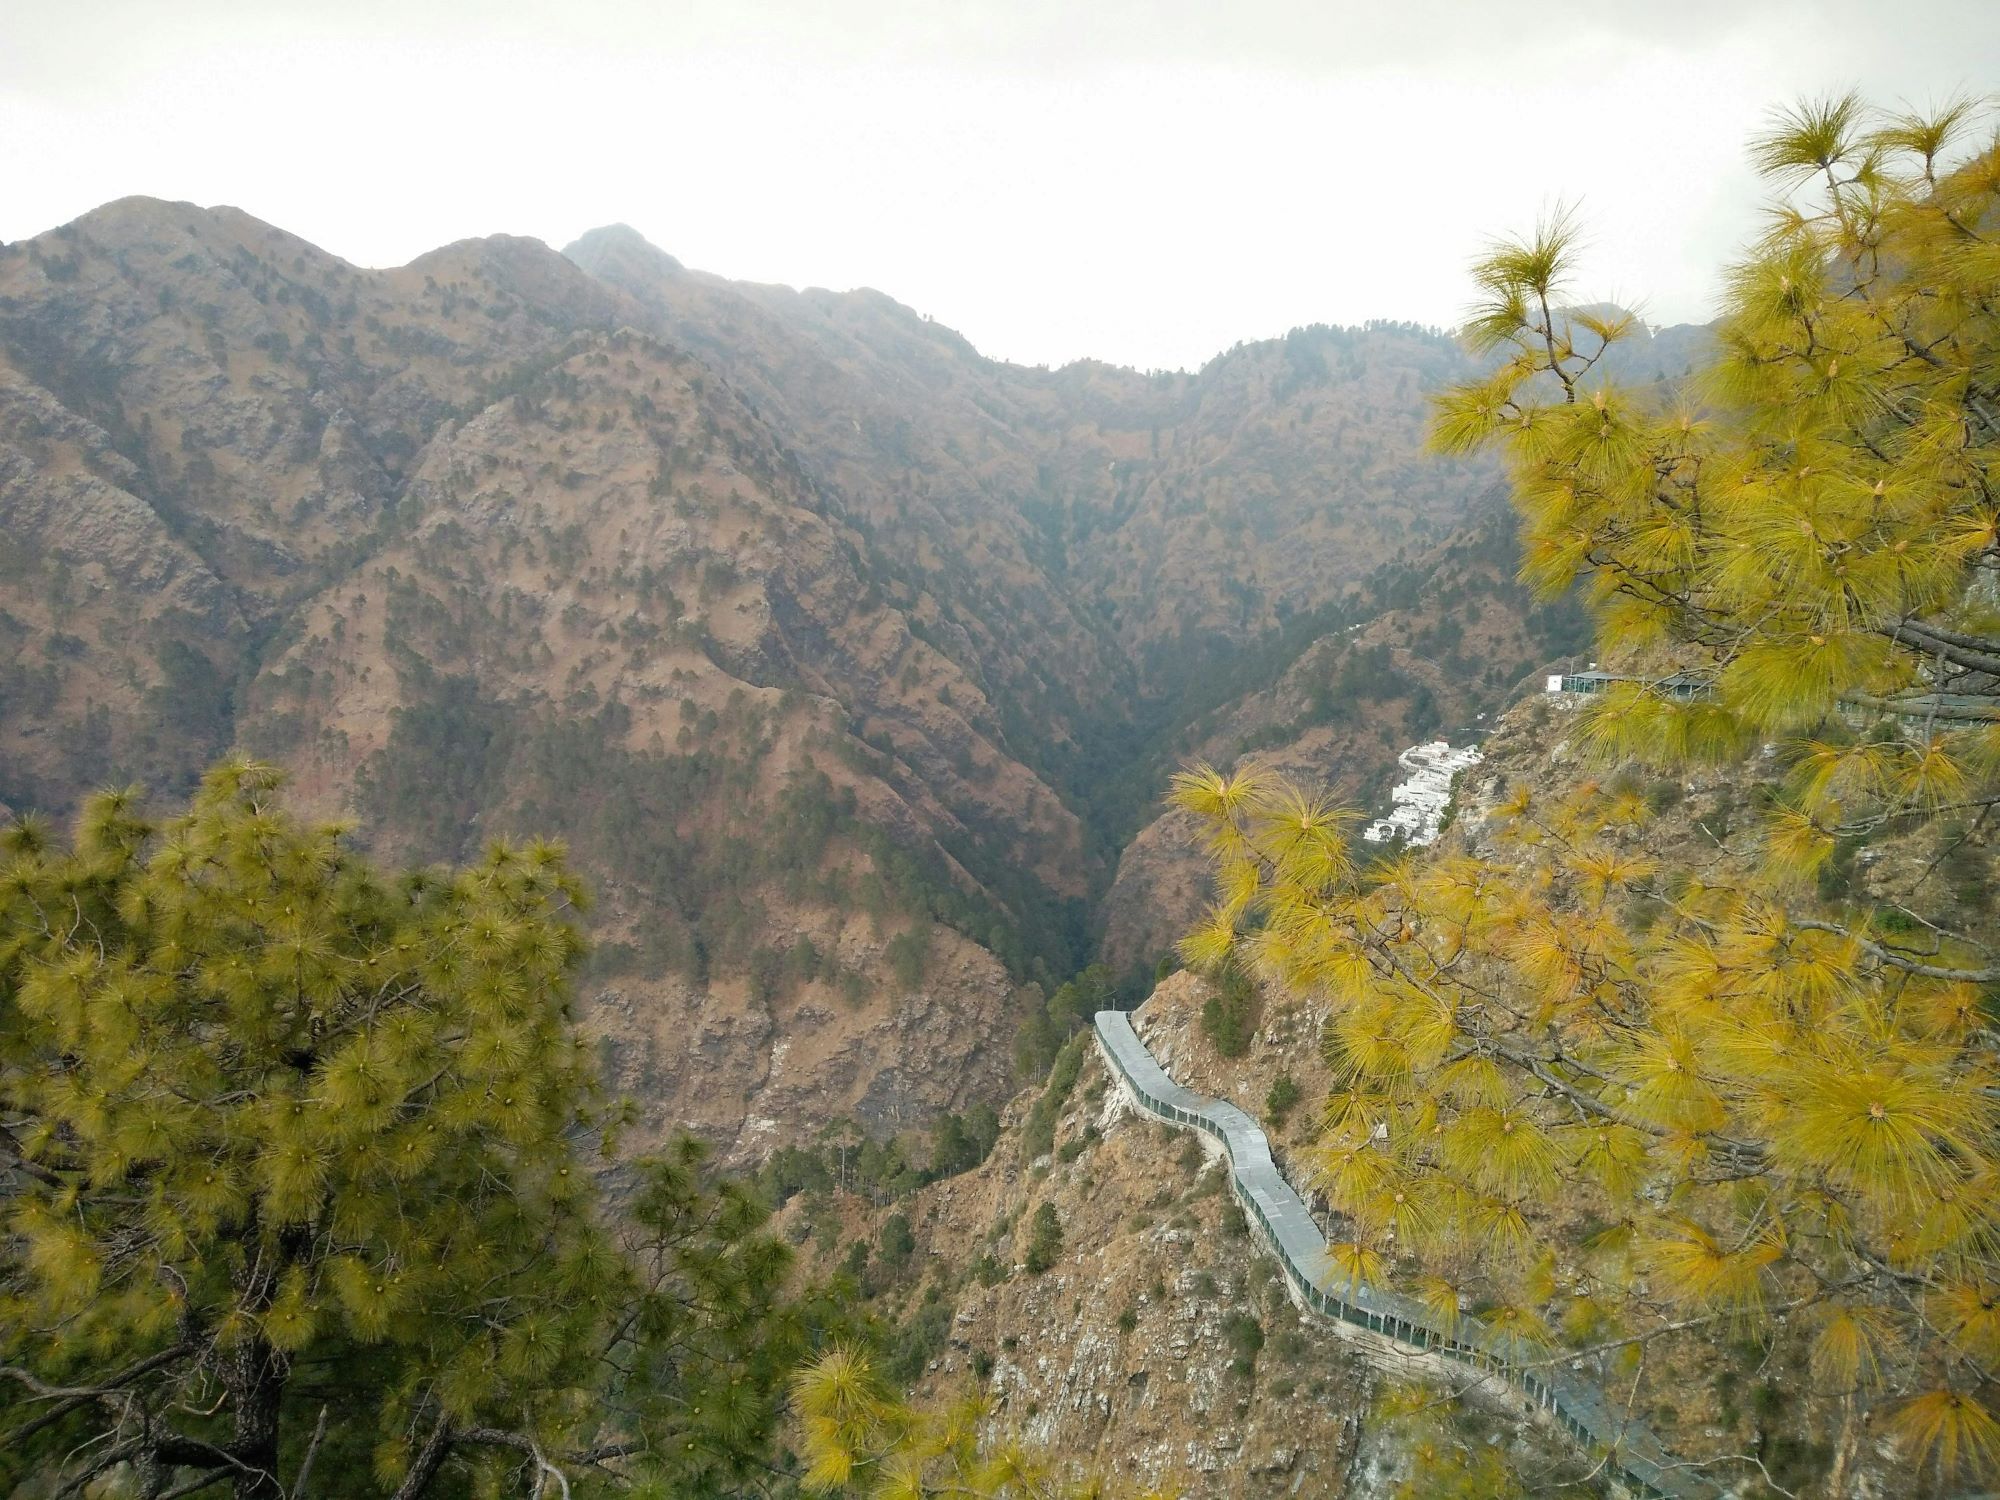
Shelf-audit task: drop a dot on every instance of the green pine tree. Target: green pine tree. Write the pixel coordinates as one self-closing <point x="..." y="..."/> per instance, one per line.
<point x="291" y="1186"/>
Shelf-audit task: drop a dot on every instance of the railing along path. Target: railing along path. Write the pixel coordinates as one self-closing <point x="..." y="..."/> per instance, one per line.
<point x="1576" y="1404"/>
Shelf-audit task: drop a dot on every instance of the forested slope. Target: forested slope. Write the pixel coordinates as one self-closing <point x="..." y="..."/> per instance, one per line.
<point x="846" y="658"/>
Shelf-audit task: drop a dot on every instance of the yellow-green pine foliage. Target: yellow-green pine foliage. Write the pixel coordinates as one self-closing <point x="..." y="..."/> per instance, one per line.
<point x="1810" y="522"/>
<point x="282" y="1134"/>
<point x="1744" y="1108"/>
<point x="1446" y="1460"/>
<point x="860" y="1438"/>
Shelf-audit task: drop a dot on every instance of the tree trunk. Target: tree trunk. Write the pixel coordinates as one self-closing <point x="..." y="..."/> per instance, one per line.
<point x="255" y="1378"/>
<point x="254" y="1375"/>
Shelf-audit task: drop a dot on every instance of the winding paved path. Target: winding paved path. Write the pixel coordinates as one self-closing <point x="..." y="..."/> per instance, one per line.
<point x="1288" y="1227"/>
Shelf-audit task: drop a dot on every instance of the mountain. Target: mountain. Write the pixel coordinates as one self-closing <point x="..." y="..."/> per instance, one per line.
<point x="1164" y="509"/>
<point x="846" y="659"/>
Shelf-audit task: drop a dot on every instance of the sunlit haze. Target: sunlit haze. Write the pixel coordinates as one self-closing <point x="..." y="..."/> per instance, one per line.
<point x="1142" y="183"/>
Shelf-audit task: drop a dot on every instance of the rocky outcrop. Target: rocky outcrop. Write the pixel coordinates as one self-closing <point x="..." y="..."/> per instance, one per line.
<point x="753" y="1071"/>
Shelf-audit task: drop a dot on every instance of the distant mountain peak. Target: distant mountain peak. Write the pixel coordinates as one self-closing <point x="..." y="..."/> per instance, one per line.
<point x="594" y="247"/>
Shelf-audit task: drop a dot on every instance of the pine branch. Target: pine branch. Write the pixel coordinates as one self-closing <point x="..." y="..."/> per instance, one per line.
<point x="1745" y="1155"/>
<point x="1962" y="650"/>
<point x="1933" y="705"/>
<point x="200" y="1482"/>
<point x="188" y="1453"/>
<point x="520" y="1442"/>
<point x="69" y="1398"/>
<point x="110" y="1458"/>
<point x="312" y="1452"/>
<point x="1896" y="960"/>
<point x="10" y="1151"/>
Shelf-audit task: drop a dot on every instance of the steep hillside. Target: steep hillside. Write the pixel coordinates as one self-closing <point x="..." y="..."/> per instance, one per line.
<point x="1151" y="1339"/>
<point x="1434" y="643"/>
<point x="1174" y="511"/>
<point x="843" y="657"/>
<point x="204" y="418"/>
<point x="469" y="559"/>
<point x="655" y="644"/>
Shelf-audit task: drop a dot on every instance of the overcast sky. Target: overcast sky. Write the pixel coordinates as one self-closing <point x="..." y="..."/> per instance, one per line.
<point x="1141" y="182"/>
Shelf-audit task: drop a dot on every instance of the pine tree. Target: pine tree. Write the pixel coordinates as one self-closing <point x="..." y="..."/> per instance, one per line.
<point x="291" y="1188"/>
<point x="1775" y="1101"/>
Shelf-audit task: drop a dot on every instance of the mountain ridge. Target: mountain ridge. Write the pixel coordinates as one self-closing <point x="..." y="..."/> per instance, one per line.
<point x="676" y="567"/>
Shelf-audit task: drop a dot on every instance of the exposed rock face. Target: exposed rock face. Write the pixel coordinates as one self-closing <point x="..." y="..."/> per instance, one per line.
<point x="747" y="1069"/>
<point x="1159" y="893"/>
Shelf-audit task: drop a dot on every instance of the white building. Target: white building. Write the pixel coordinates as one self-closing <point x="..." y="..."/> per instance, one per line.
<point x="1421" y="800"/>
